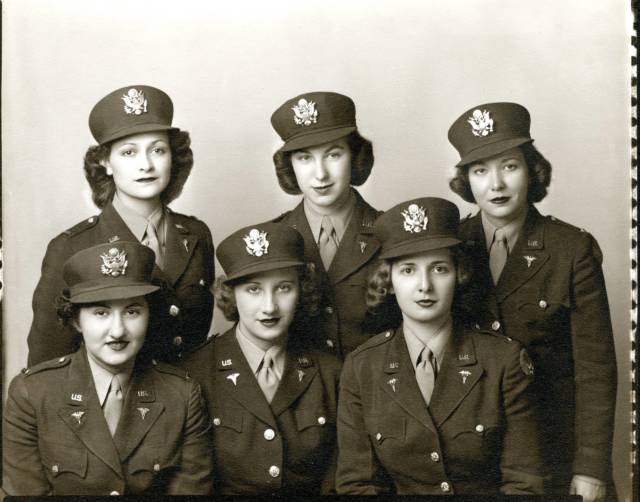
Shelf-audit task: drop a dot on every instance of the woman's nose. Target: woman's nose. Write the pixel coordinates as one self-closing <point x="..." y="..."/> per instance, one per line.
<point x="320" y="169"/>
<point x="425" y="282"/>
<point x="269" y="305"/>
<point x="117" y="327"/>
<point x="497" y="183"/>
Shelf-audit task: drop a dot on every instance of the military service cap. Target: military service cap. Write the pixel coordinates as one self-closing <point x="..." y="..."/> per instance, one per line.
<point x="417" y="225"/>
<point x="130" y="110"/>
<point x="489" y="129"/>
<point x="109" y="272"/>
<point x="258" y="248"/>
<point x="314" y="118"/>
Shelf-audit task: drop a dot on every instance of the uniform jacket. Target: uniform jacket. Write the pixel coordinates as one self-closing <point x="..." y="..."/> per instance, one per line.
<point x="551" y="297"/>
<point x="188" y="274"/>
<point x="343" y="321"/>
<point x="476" y="437"/>
<point x="286" y="447"/>
<point x="56" y="440"/>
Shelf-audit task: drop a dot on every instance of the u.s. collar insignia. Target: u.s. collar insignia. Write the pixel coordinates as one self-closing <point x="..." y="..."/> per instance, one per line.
<point x="415" y="219"/>
<point x="78" y="416"/>
<point x="76" y="397"/>
<point x="134" y="102"/>
<point x="143" y="412"/>
<point x="256" y="243"/>
<point x="465" y="357"/>
<point x="363" y="246"/>
<point x="234" y="378"/>
<point x="481" y="123"/>
<point x="304" y="361"/>
<point x="305" y="113"/>
<point x="114" y="262"/>
<point x="464" y="374"/>
<point x="392" y="382"/>
<point x="530" y="260"/>
<point x="226" y="362"/>
<point x="300" y="375"/>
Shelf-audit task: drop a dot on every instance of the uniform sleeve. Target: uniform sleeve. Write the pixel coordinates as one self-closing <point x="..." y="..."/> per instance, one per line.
<point x="594" y="363"/>
<point x="22" y="470"/>
<point x="195" y="474"/>
<point x="47" y="337"/>
<point x="520" y="462"/>
<point x="357" y="464"/>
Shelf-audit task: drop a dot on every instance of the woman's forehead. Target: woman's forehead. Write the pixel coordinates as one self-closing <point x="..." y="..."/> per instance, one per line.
<point x="277" y="275"/>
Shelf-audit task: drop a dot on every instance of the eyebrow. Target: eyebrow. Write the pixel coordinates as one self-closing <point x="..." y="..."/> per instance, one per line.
<point x="306" y="150"/>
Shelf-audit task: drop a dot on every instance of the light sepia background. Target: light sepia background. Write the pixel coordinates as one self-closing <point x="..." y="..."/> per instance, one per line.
<point x="410" y="65"/>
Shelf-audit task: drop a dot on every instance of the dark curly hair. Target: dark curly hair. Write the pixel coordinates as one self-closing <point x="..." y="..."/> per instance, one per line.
<point x="156" y="340"/>
<point x="379" y="283"/>
<point x="308" y="303"/>
<point x="539" y="176"/>
<point x="103" y="188"/>
<point x="361" y="164"/>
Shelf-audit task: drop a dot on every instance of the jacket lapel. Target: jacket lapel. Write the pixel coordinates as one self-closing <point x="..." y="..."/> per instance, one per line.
<point x="358" y="244"/>
<point x="398" y="380"/>
<point x="234" y="378"/>
<point x="83" y="414"/>
<point x="299" y="372"/>
<point x="460" y="372"/>
<point x="526" y="259"/>
<point x="178" y="248"/>
<point x="139" y="412"/>
<point x="298" y="221"/>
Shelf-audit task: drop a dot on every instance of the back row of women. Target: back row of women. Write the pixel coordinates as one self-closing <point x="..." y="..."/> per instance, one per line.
<point x="478" y="355"/>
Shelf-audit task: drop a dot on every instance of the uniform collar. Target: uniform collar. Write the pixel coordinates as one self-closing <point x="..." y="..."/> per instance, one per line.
<point x="511" y="230"/>
<point x="438" y="344"/>
<point x="340" y="219"/>
<point x="102" y="379"/>
<point x="254" y="354"/>
<point x="138" y="223"/>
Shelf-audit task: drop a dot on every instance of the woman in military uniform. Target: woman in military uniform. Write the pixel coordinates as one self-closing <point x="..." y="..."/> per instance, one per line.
<point x="140" y="165"/>
<point x="540" y="281"/>
<point x="107" y="419"/>
<point x="272" y="397"/>
<point x="434" y="407"/>
<point x="323" y="158"/>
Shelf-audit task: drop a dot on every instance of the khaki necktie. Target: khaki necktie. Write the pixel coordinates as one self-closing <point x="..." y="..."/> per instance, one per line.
<point x="498" y="254"/>
<point x="151" y="240"/>
<point x="267" y="378"/>
<point x="426" y="373"/>
<point x="112" y="408"/>
<point x="327" y="243"/>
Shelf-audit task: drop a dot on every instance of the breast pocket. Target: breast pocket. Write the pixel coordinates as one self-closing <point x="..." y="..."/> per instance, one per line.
<point x="315" y="428"/>
<point x="476" y="444"/>
<point x="544" y="312"/>
<point x="60" y="460"/>
<point x="387" y="432"/>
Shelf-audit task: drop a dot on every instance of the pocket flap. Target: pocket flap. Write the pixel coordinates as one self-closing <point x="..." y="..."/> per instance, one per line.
<point x="310" y="418"/>
<point x="228" y="418"/>
<point x="387" y="428"/>
<point x="59" y="458"/>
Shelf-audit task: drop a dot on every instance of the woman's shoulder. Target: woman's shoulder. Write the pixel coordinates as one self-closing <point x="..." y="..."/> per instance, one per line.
<point x="188" y="222"/>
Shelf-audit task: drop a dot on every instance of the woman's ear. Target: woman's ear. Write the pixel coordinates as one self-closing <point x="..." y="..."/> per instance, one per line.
<point x="107" y="166"/>
<point x="76" y="324"/>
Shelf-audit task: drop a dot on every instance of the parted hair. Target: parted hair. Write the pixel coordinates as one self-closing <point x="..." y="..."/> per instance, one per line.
<point x="361" y="164"/>
<point x="154" y="343"/>
<point x="103" y="187"/>
<point x="539" y="176"/>
<point x="308" y="303"/>
<point x="379" y="287"/>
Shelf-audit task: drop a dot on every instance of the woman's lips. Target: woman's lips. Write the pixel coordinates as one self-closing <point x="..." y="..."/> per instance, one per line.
<point x="426" y="303"/>
<point x="117" y="346"/>
<point x="500" y="200"/>
<point x="323" y="189"/>
<point x="269" y="323"/>
<point x="146" y="180"/>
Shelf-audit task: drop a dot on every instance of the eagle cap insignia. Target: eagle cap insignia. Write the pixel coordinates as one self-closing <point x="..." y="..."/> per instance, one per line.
<point x="481" y="123"/>
<point x="305" y="113"/>
<point x="134" y="102"/>
<point x="114" y="262"/>
<point x="256" y="243"/>
<point x="415" y="219"/>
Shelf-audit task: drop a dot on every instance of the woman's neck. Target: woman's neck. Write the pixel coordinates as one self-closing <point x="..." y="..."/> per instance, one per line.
<point x="143" y="207"/>
<point x="426" y="331"/>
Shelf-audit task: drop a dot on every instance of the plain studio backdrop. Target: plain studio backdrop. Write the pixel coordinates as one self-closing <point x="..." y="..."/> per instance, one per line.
<point x="411" y="66"/>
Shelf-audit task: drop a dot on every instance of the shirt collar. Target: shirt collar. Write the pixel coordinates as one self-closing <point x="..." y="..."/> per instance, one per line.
<point x="436" y="344"/>
<point x="340" y="219"/>
<point x="511" y="230"/>
<point x="254" y="354"/>
<point x="138" y="223"/>
<point x="102" y="378"/>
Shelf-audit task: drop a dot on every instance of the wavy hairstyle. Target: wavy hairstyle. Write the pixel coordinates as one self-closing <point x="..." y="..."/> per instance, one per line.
<point x="103" y="187"/>
<point x="379" y="288"/>
<point x="539" y="176"/>
<point x="361" y="164"/>
<point x="308" y="303"/>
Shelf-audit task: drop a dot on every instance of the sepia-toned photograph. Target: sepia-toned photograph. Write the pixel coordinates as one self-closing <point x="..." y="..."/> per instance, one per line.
<point x="357" y="247"/>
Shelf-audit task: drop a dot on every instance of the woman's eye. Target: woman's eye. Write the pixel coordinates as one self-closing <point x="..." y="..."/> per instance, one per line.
<point x="511" y="167"/>
<point x="127" y="153"/>
<point x="285" y="288"/>
<point x="479" y="171"/>
<point x="302" y="157"/>
<point x="133" y="312"/>
<point x="100" y="313"/>
<point x="335" y="155"/>
<point x="159" y="150"/>
<point x="253" y="289"/>
<point x="406" y="270"/>
<point x="440" y="269"/>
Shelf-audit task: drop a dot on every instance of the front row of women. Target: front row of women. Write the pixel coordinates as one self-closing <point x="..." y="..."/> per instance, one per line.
<point x="434" y="407"/>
